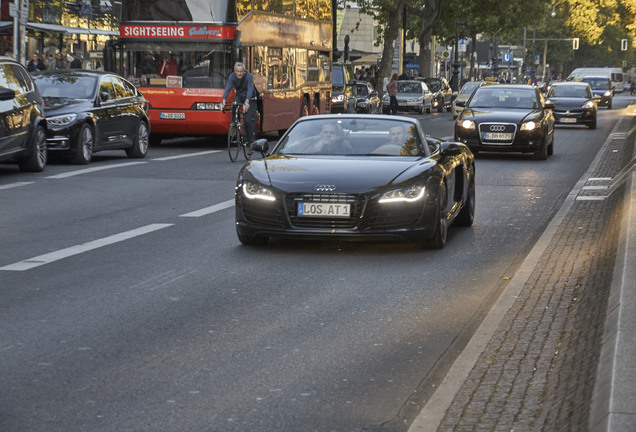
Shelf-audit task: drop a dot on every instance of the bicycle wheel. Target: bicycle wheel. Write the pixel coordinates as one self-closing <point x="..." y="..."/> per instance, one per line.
<point x="234" y="139"/>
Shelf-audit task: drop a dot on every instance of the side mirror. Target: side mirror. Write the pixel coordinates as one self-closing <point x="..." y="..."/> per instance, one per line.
<point x="451" y="148"/>
<point x="103" y="96"/>
<point x="260" y="145"/>
<point x="460" y="103"/>
<point x="6" y="94"/>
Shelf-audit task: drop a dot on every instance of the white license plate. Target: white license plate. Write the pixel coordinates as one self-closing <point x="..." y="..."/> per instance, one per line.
<point x="172" y="116"/>
<point x="568" y="120"/>
<point x="326" y="210"/>
<point x="499" y="136"/>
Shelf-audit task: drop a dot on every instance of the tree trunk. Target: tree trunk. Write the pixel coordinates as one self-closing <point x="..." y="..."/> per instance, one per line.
<point x="390" y="36"/>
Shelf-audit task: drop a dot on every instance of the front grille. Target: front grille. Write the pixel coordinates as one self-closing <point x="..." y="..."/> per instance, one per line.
<point x="357" y="206"/>
<point x="399" y="217"/>
<point x="494" y="128"/>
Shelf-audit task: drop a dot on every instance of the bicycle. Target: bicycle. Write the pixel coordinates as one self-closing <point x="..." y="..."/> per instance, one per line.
<point x="236" y="136"/>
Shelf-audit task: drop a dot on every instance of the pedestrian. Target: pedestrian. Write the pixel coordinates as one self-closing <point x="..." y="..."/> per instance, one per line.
<point x="391" y="89"/>
<point x="247" y="94"/>
<point x="36" y="63"/>
<point x="77" y="62"/>
<point x="59" y="62"/>
<point x="404" y="76"/>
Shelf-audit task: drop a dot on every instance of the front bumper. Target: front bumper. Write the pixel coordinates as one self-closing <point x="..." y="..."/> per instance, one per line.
<point x="522" y="141"/>
<point x="574" y="117"/>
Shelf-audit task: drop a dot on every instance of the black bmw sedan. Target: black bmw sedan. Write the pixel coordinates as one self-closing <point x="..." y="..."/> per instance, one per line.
<point x="356" y="176"/>
<point x="507" y="118"/>
<point x="89" y="111"/>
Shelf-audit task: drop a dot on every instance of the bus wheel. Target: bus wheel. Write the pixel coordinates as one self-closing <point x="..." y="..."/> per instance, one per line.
<point x="304" y="109"/>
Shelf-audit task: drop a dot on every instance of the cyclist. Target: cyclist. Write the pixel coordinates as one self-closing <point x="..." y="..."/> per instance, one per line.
<point x="243" y="82"/>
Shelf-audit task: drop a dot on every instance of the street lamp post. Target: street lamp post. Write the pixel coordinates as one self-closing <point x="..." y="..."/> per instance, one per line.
<point x="455" y="79"/>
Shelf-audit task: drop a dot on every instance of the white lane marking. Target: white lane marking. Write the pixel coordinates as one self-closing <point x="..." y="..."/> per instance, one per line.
<point x="89" y="170"/>
<point x="595" y="187"/>
<point x="185" y="155"/>
<point x="17" y="184"/>
<point x="77" y="249"/>
<point x="211" y="209"/>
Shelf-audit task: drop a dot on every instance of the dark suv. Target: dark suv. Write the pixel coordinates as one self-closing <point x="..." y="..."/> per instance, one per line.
<point x="343" y="89"/>
<point x="601" y="86"/>
<point x="22" y="123"/>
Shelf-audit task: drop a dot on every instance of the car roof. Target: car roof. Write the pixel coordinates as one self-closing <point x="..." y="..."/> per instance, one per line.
<point x="570" y="83"/>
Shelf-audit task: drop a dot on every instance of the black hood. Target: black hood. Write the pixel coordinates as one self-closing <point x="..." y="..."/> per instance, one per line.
<point x="60" y="105"/>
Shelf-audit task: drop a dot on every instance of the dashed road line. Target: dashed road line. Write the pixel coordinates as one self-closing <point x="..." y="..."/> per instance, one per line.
<point x="16" y="184"/>
<point x="93" y="169"/>
<point x="212" y="209"/>
<point x="185" y="155"/>
<point x="81" y="248"/>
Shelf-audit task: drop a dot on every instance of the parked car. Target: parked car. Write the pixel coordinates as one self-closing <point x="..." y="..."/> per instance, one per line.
<point x="22" y="123"/>
<point x="601" y="86"/>
<point x="356" y="176"/>
<point x="90" y="111"/>
<point x="368" y="99"/>
<point x="442" y="93"/>
<point x="412" y="95"/>
<point x="343" y="89"/>
<point x="507" y="118"/>
<point x="463" y="95"/>
<point x="574" y="103"/>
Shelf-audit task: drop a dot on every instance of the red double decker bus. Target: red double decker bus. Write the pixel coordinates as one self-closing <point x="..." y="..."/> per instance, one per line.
<point x="180" y="53"/>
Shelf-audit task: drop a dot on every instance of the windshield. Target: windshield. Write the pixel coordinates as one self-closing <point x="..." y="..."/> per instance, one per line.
<point x="433" y="84"/>
<point x="598" y="83"/>
<point x="409" y="87"/>
<point x="66" y="86"/>
<point x="351" y="137"/>
<point x="575" y="91"/>
<point x="504" y="97"/>
<point x="194" y="65"/>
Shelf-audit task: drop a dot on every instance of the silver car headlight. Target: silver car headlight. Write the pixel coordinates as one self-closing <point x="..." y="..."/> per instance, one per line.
<point x="252" y="190"/>
<point x="607" y="93"/>
<point x="338" y="98"/>
<point x="406" y="194"/>
<point x="62" y="120"/>
<point x="588" y="105"/>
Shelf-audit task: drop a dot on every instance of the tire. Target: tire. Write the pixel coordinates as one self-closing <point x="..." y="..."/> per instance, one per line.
<point x="542" y="154"/>
<point x="85" y="145"/>
<point x="551" y="146"/>
<point x="609" y="104"/>
<point x="140" y="145"/>
<point x="438" y="241"/>
<point x="38" y="154"/>
<point x="234" y="142"/>
<point x="466" y="215"/>
<point x="592" y="124"/>
<point x="440" y="106"/>
<point x="422" y="110"/>
<point x="429" y="108"/>
<point x="252" y="241"/>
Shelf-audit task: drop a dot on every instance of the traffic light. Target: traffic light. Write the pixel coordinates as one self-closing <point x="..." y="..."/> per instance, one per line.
<point x="575" y="43"/>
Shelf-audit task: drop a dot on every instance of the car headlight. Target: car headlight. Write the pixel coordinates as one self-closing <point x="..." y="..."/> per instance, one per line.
<point x="338" y="98"/>
<point x="257" y="191"/>
<point x="407" y="194"/>
<point x="607" y="93"/>
<point x="467" y="124"/>
<point x="62" y="120"/>
<point x="588" y="105"/>
<point x="530" y="125"/>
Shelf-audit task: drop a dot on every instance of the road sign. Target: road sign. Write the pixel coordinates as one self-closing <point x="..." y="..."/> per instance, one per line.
<point x="575" y="43"/>
<point x="624" y="45"/>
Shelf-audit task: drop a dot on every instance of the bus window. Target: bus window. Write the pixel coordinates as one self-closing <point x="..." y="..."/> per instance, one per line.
<point x="301" y="67"/>
<point x="288" y="7"/>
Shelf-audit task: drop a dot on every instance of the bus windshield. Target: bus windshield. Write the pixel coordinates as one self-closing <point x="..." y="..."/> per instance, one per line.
<point x="197" y="65"/>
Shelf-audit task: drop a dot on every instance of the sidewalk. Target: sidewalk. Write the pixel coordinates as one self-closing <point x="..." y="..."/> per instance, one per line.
<point x="557" y="350"/>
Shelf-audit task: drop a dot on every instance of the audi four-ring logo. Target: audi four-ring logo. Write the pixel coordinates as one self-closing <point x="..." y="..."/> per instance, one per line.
<point x="325" y="188"/>
<point x="497" y="128"/>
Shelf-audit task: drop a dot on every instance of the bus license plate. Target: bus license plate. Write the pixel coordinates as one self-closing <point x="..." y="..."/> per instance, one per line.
<point x="501" y="136"/>
<point x="172" y="116"/>
<point x="326" y="210"/>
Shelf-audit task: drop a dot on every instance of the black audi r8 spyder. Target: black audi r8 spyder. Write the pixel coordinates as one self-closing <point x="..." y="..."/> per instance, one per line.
<point x="356" y="176"/>
<point x="507" y="118"/>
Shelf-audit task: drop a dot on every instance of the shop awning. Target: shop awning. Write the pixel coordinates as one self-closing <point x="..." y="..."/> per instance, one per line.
<point x="71" y="30"/>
